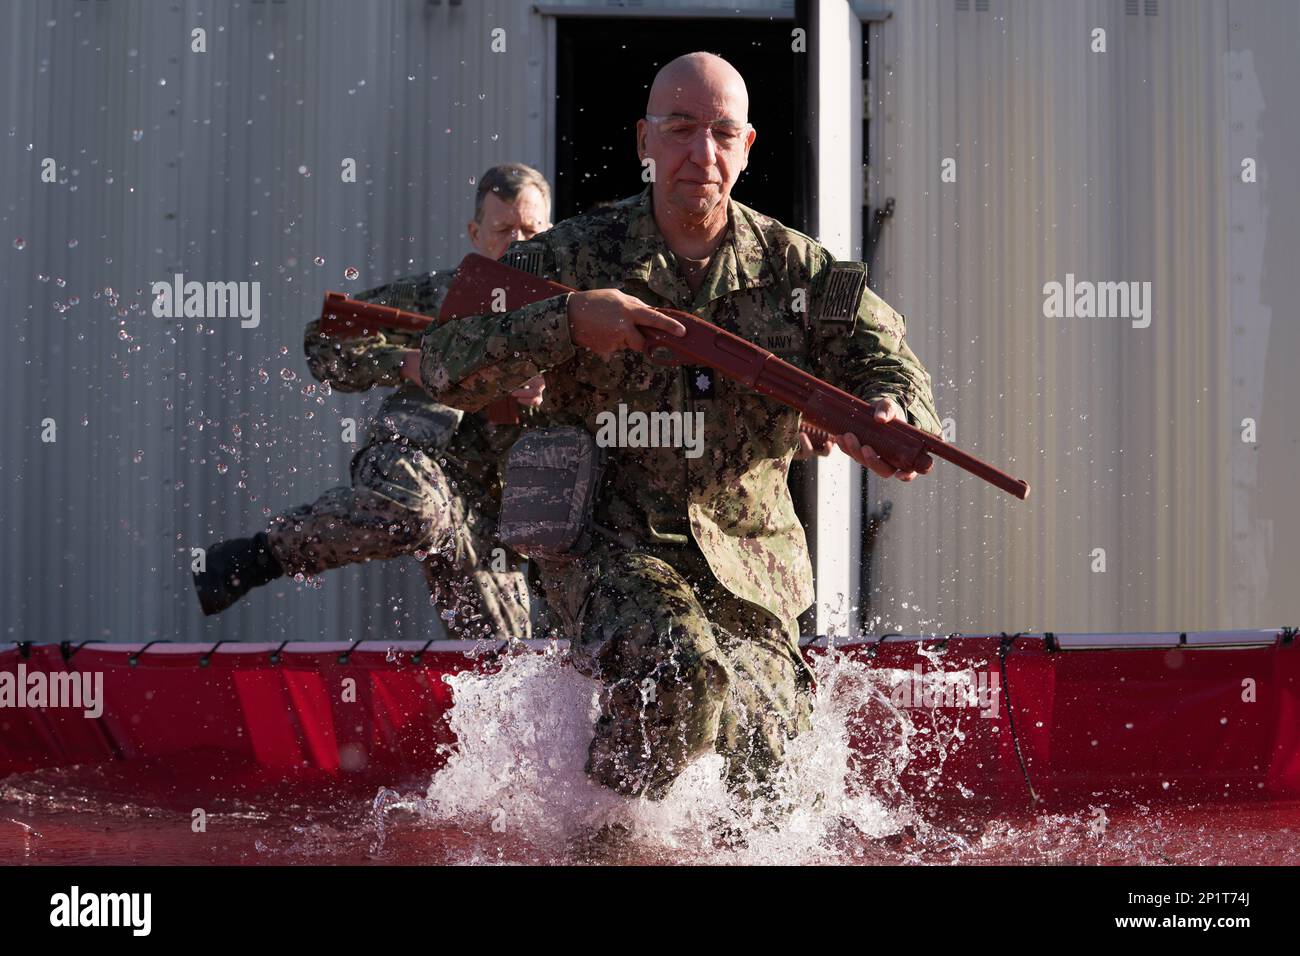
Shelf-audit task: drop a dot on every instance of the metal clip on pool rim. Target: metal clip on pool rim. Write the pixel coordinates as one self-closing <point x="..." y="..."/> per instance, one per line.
<point x="67" y="651"/>
<point x="418" y="655"/>
<point x="1008" y="639"/>
<point x="275" y="654"/>
<point x="135" y="657"/>
<point x="206" y="658"/>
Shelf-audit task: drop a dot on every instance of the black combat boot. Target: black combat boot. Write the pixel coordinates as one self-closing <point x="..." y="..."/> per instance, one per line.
<point x="234" y="568"/>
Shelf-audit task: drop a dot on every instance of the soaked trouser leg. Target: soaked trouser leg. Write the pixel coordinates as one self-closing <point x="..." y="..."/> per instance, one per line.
<point x="681" y="682"/>
<point x="770" y="698"/>
<point x="479" y="592"/>
<point x="400" y="503"/>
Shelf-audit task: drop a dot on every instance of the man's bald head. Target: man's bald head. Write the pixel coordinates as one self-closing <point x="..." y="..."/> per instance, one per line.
<point x="697" y="135"/>
<point x="693" y="77"/>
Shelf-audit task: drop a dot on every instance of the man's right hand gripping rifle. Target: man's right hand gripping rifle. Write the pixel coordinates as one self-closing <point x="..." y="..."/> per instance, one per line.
<point x="607" y="321"/>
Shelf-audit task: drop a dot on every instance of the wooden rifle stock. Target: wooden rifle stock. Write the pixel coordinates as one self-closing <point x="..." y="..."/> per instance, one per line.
<point x="344" y="318"/>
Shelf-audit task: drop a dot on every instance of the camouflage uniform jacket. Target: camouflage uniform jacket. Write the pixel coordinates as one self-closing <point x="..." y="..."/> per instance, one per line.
<point x="733" y="501"/>
<point x="472" y="445"/>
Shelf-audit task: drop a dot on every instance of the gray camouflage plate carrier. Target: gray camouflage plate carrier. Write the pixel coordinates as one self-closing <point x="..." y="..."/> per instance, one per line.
<point x="551" y="479"/>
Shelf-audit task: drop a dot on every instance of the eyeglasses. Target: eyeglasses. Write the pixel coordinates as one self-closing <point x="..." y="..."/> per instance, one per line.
<point x="679" y="129"/>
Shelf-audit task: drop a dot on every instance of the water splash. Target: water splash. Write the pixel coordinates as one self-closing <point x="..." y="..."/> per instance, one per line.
<point x="517" y="776"/>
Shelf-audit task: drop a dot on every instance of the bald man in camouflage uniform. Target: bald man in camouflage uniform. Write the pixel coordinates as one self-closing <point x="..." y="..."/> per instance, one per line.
<point x="425" y="482"/>
<point x="685" y="605"/>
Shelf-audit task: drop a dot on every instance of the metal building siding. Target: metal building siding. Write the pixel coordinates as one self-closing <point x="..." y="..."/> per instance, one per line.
<point x="1111" y="167"/>
<point x="1078" y="178"/>
<point x="95" y="544"/>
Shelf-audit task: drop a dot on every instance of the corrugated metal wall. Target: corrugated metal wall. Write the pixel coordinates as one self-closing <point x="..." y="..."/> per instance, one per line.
<point x="170" y="435"/>
<point x="1114" y="166"/>
<point x="1123" y="165"/>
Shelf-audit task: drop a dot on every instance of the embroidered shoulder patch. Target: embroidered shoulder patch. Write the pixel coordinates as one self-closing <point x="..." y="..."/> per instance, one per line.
<point x="529" y="260"/>
<point x="844" y="289"/>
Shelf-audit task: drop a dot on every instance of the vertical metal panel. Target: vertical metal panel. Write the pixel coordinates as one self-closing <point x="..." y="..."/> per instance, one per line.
<point x="1110" y="167"/>
<point x="95" y="542"/>
<point x="835" y="491"/>
<point x="1260" y="73"/>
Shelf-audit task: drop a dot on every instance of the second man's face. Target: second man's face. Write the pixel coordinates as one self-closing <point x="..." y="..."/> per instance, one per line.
<point x="504" y="222"/>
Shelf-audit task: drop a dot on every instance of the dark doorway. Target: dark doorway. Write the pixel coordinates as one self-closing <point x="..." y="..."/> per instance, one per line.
<point x="604" y="75"/>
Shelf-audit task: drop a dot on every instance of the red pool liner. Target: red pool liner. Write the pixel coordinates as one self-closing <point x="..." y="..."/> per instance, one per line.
<point x="1198" y="716"/>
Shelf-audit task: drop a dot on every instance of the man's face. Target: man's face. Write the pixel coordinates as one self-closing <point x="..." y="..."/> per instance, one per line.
<point x="504" y="222"/>
<point x="695" y="163"/>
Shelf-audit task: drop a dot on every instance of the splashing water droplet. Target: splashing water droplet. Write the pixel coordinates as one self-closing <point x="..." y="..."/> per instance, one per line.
<point x="20" y="243"/>
<point x="350" y="274"/>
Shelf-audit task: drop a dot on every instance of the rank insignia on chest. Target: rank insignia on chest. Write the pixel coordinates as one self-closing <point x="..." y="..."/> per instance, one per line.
<point x="701" y="382"/>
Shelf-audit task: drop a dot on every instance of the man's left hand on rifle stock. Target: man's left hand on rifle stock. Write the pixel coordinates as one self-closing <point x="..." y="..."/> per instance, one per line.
<point x="528" y="394"/>
<point x="817" y="445"/>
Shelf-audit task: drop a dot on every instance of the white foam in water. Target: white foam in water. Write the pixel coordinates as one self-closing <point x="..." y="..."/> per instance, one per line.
<point x="523" y="734"/>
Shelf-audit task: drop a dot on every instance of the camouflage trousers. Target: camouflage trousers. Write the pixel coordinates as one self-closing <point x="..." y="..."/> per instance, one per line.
<point x="401" y="502"/>
<point x="688" y="669"/>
